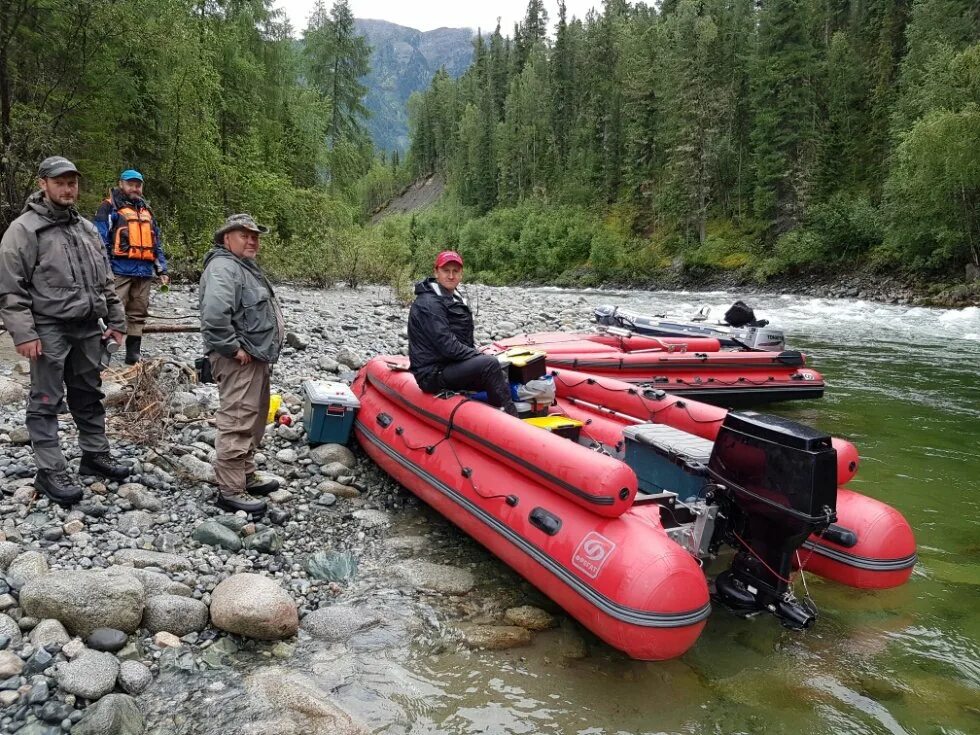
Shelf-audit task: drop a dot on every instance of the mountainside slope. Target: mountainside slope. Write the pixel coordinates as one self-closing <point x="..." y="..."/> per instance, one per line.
<point x="403" y="61"/>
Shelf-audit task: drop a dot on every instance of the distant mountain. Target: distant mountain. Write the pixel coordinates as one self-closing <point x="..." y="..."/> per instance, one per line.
<point x="403" y="61"/>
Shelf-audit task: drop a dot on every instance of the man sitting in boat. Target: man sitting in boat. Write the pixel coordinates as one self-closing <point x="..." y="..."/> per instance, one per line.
<point x="440" y="339"/>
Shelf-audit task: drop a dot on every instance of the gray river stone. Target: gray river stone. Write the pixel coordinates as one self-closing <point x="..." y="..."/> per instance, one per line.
<point x="338" y="622"/>
<point x="299" y="699"/>
<point x="495" y="637"/>
<point x="214" y="533"/>
<point x="10" y="630"/>
<point x="530" y="617"/>
<point x="49" y="632"/>
<point x="91" y="675"/>
<point x="254" y="606"/>
<point x="143" y="558"/>
<point x="85" y="600"/>
<point x="8" y="552"/>
<point x="26" y="567"/>
<point x="134" y="677"/>
<point x="114" y="714"/>
<point x="266" y="541"/>
<point x="372" y="518"/>
<point x="155" y="583"/>
<point x="10" y="664"/>
<point x="196" y="469"/>
<point x="11" y="392"/>
<point x="109" y="640"/>
<point x="177" y="615"/>
<point x="139" y="520"/>
<point x="434" y="577"/>
<point x="327" y="453"/>
<point x="139" y="497"/>
<point x="332" y="566"/>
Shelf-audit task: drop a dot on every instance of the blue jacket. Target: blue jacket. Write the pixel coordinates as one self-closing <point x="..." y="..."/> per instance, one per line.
<point x="106" y="221"/>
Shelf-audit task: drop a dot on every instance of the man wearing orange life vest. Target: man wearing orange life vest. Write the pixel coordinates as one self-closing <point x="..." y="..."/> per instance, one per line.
<point x="132" y="240"/>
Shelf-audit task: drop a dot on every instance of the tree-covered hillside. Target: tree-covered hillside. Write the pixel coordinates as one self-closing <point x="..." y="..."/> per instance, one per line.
<point x="764" y="138"/>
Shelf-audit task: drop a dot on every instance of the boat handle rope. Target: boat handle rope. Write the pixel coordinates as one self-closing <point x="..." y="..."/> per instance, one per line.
<point x="465" y="472"/>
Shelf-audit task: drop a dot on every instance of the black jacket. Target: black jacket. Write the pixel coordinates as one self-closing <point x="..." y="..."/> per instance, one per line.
<point x="440" y="332"/>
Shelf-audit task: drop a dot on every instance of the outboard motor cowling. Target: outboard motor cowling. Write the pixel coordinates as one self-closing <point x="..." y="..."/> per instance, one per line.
<point x="777" y="485"/>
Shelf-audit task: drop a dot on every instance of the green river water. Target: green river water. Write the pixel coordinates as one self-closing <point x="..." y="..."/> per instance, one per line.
<point x="904" y="388"/>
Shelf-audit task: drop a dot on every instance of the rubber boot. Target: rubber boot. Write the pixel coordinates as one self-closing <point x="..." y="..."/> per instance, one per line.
<point x="133" y="349"/>
<point x="101" y="464"/>
<point x="57" y="486"/>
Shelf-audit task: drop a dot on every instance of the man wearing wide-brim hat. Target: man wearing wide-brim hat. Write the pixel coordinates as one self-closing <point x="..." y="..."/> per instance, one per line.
<point x="55" y="287"/>
<point x="243" y="332"/>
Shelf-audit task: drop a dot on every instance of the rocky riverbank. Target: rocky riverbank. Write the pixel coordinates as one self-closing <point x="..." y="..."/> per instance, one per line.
<point x="144" y="607"/>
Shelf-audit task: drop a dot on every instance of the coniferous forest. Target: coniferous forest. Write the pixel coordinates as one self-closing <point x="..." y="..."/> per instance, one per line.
<point x="766" y="138"/>
<point x="219" y="103"/>
<point x="763" y="139"/>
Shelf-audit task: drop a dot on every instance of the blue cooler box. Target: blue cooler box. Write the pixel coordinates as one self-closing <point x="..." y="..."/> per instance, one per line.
<point x="667" y="459"/>
<point x="328" y="412"/>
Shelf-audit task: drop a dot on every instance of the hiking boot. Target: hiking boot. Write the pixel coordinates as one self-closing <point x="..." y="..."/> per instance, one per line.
<point x="259" y="483"/>
<point x="101" y="464"/>
<point x="58" y="486"/>
<point x="234" y="502"/>
<point x="133" y="350"/>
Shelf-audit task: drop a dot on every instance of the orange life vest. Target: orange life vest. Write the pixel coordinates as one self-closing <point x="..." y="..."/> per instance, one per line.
<point x="134" y="236"/>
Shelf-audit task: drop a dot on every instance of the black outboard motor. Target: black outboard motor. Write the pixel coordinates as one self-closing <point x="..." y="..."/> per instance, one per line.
<point x="778" y="485"/>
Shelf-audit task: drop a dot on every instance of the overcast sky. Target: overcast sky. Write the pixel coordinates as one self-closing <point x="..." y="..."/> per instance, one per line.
<point x="428" y="14"/>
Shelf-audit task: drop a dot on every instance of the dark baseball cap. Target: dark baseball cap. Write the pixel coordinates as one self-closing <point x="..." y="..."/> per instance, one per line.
<point x="56" y="166"/>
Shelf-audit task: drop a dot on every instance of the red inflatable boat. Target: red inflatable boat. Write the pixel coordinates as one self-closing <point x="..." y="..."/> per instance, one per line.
<point x="694" y="366"/>
<point x="567" y="515"/>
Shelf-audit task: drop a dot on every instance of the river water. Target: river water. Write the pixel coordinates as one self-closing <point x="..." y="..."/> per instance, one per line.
<point x="903" y="386"/>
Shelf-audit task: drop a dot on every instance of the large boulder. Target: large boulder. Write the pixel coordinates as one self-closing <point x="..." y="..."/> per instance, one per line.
<point x="114" y="714"/>
<point x="254" y="606"/>
<point x="85" y="600"/>
<point x="174" y="614"/>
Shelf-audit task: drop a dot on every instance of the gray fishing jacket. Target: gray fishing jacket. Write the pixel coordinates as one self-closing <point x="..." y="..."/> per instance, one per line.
<point x="54" y="270"/>
<point x="239" y="308"/>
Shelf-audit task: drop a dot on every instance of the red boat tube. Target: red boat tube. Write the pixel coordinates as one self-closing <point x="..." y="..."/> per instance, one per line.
<point x="586" y="396"/>
<point x="618" y="574"/>
<point x="870" y="547"/>
<point x="607" y="489"/>
<point x="726" y="378"/>
<point x="563" y="343"/>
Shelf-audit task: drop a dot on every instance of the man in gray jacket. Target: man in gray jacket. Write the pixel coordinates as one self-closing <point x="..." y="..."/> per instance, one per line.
<point x="243" y="332"/>
<point x="55" y="287"/>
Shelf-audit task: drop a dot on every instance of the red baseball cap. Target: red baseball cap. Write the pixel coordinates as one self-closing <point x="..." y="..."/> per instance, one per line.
<point x="448" y="256"/>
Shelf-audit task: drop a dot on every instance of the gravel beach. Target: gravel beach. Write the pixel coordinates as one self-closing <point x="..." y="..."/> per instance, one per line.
<point x="101" y="603"/>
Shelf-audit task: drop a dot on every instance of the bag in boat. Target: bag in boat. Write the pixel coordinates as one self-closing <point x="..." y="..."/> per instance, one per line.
<point x="539" y="394"/>
<point x="739" y="314"/>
